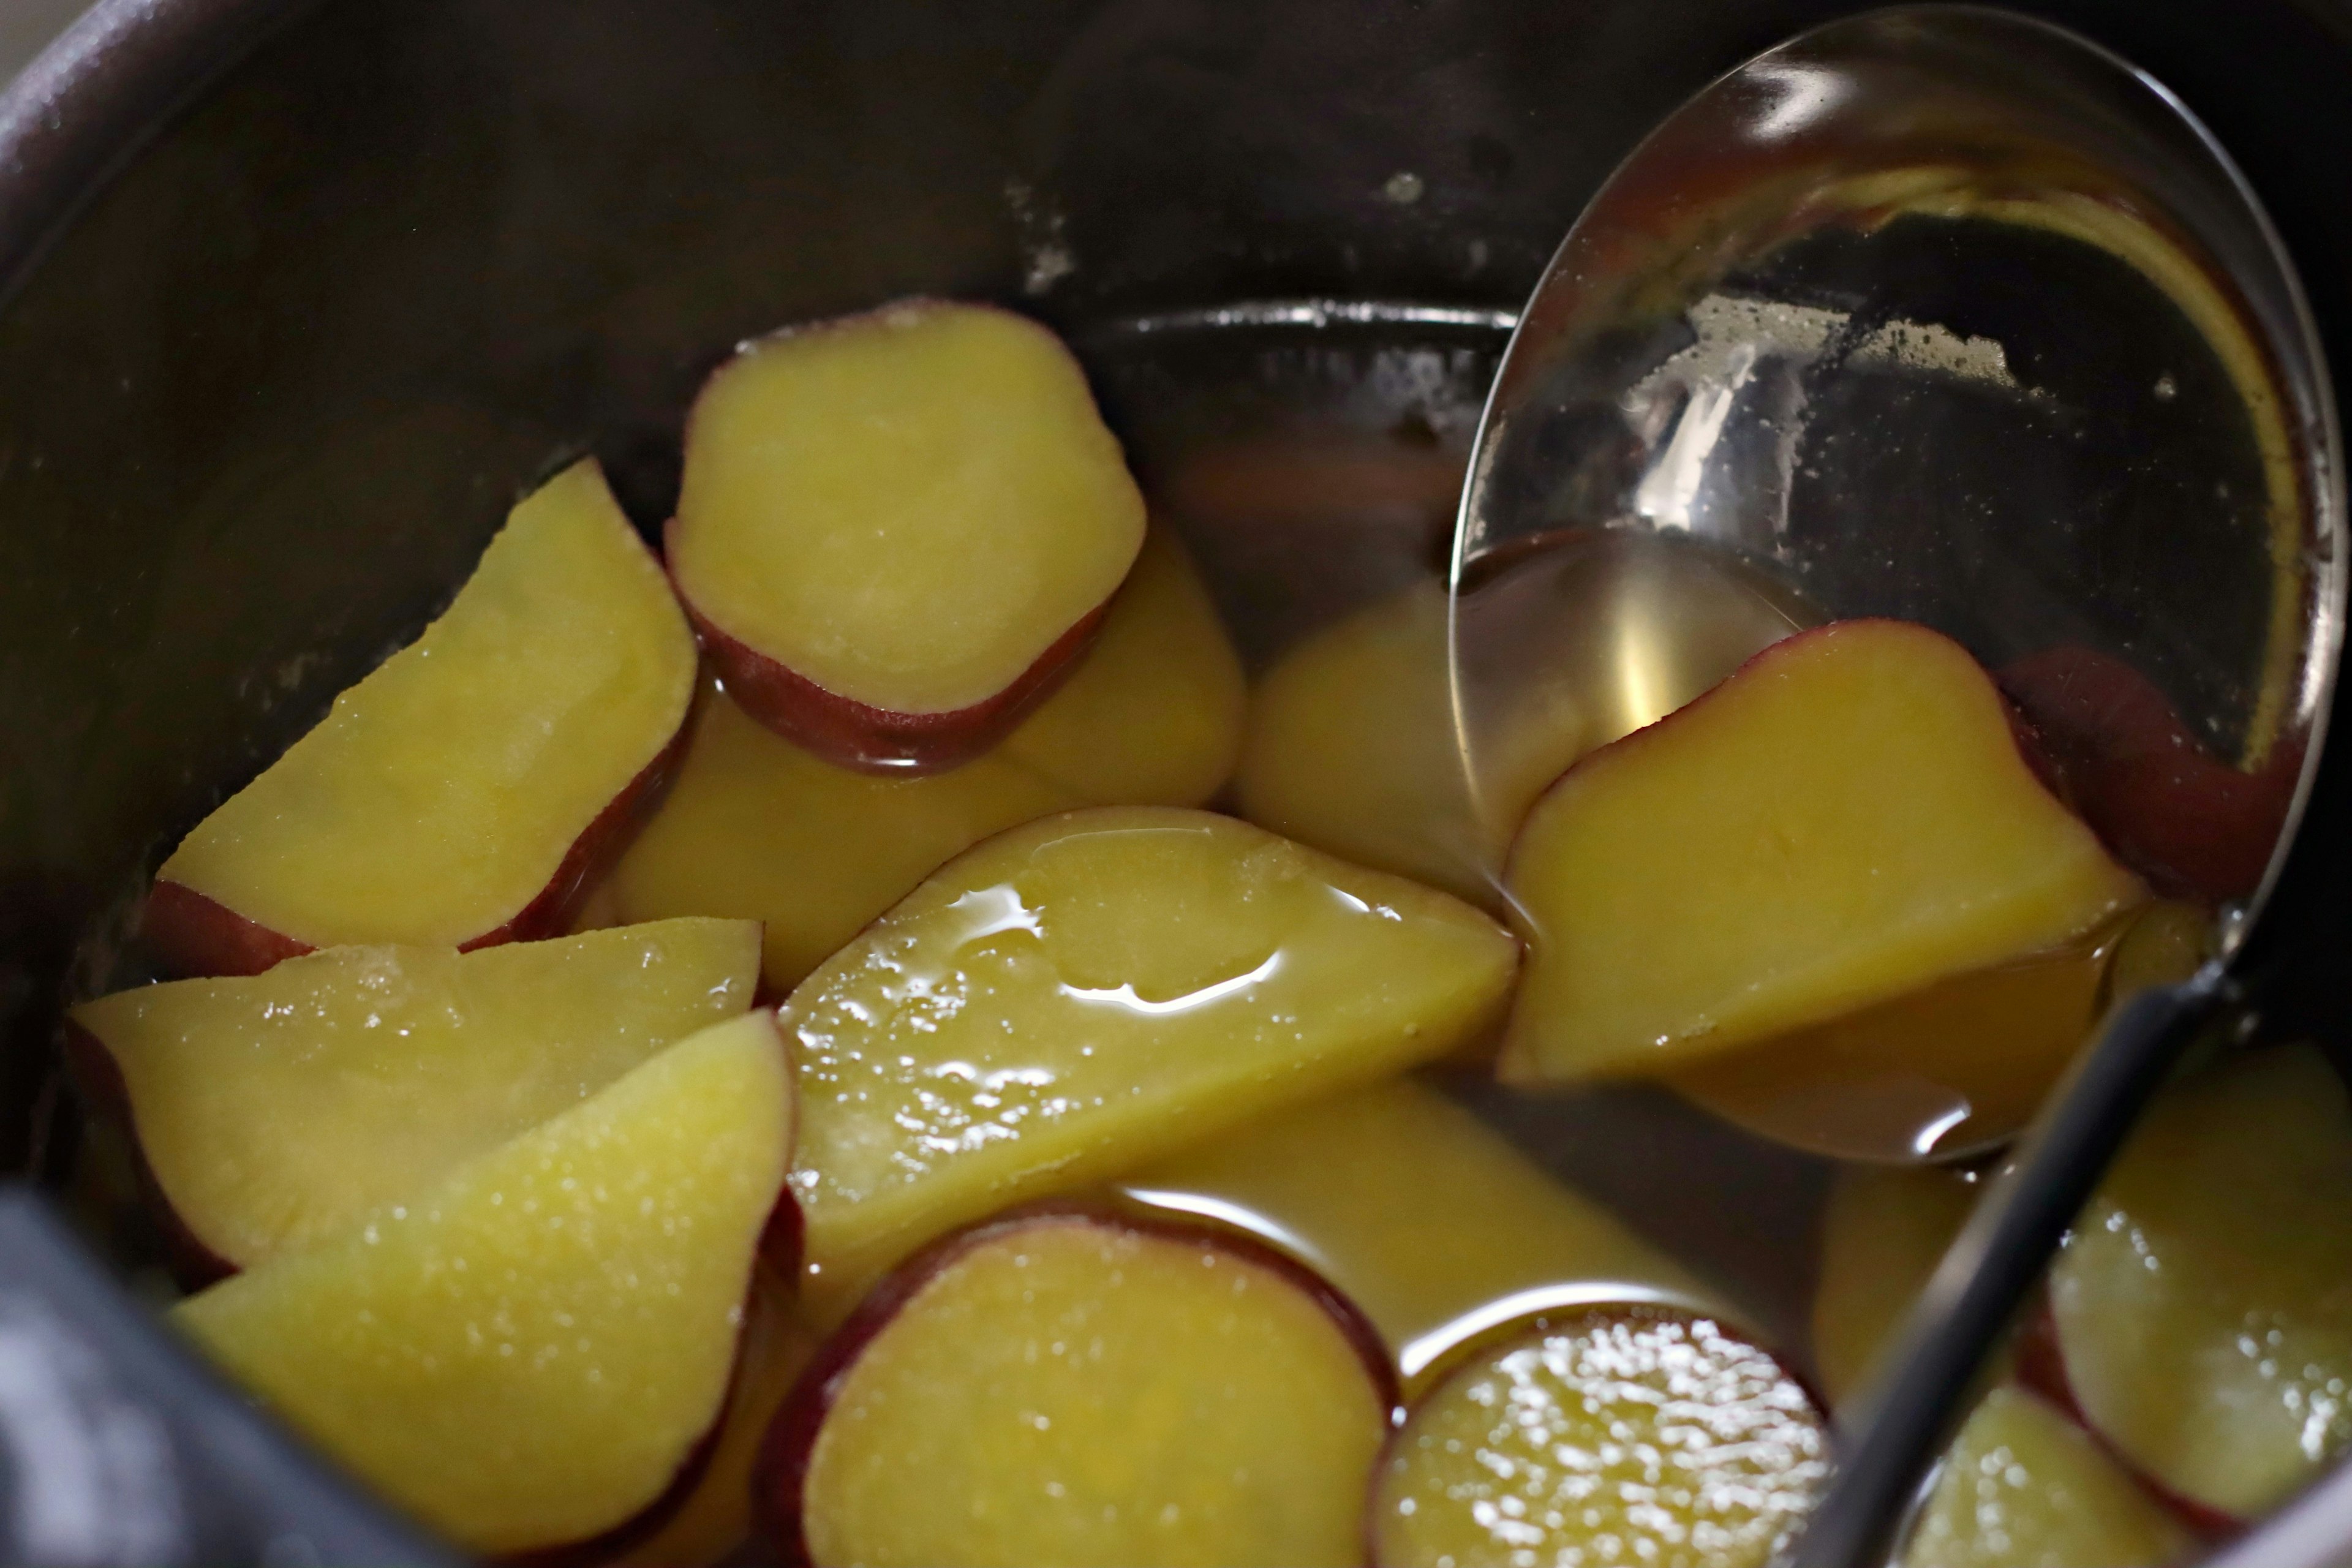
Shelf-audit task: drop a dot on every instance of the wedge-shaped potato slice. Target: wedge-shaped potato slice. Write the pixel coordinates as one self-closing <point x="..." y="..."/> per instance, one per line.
<point x="275" y="1109"/>
<point x="1613" y="1436"/>
<point x="1081" y="995"/>
<point x="756" y="827"/>
<point x="1846" y="819"/>
<point x="895" y="530"/>
<point x="2023" y="1487"/>
<point x="2203" y="1302"/>
<point x="1073" y="1388"/>
<point x="467" y="792"/>
<point x="524" y="1355"/>
<point x="1424" y="1216"/>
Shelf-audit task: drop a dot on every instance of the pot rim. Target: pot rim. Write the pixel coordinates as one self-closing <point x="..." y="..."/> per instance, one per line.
<point x="87" y="104"/>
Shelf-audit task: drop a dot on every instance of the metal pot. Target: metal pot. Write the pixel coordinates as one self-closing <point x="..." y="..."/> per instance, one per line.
<point x="295" y="298"/>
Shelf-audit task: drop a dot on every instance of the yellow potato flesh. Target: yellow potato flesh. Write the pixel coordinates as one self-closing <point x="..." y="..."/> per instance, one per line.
<point x="1618" y="1439"/>
<point x="758" y="829"/>
<point x="1074" y="1392"/>
<point x="440" y="794"/>
<point x="1883" y="1233"/>
<point x="1419" y="1213"/>
<point x="1079" y="996"/>
<point x="2204" y="1298"/>
<point x="1846" y="820"/>
<point x="276" y="1109"/>
<point x="906" y="508"/>
<point x="2023" y="1487"/>
<point x="523" y="1355"/>
<point x="1152" y="715"/>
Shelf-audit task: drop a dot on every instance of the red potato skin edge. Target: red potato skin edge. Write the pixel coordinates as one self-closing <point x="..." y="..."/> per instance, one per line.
<point x="781" y="1471"/>
<point x="1549" y="1322"/>
<point x="851" y="734"/>
<point x="194" y="936"/>
<point x="2193" y="825"/>
<point x="2041" y="1369"/>
<point x="197" y="937"/>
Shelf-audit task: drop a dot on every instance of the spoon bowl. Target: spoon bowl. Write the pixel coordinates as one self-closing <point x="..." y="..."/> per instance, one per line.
<point x="1947" y="314"/>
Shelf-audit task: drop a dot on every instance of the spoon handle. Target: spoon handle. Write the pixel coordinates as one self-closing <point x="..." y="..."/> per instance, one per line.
<point x="2000" y="1252"/>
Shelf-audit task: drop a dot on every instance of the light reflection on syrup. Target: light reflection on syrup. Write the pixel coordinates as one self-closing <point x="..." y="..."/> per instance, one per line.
<point x="1239" y="1217"/>
<point x="1124" y="996"/>
<point x="1433" y="1349"/>
<point x="994" y="910"/>
<point x="1420" y="1353"/>
<point x="1620" y="1438"/>
<point x="1932" y="1132"/>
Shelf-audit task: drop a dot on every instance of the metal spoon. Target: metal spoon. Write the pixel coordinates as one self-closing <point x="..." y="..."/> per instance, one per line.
<point x="1944" y="313"/>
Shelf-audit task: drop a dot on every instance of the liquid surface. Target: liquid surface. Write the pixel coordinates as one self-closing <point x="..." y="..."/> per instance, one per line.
<point x="1949" y="1069"/>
